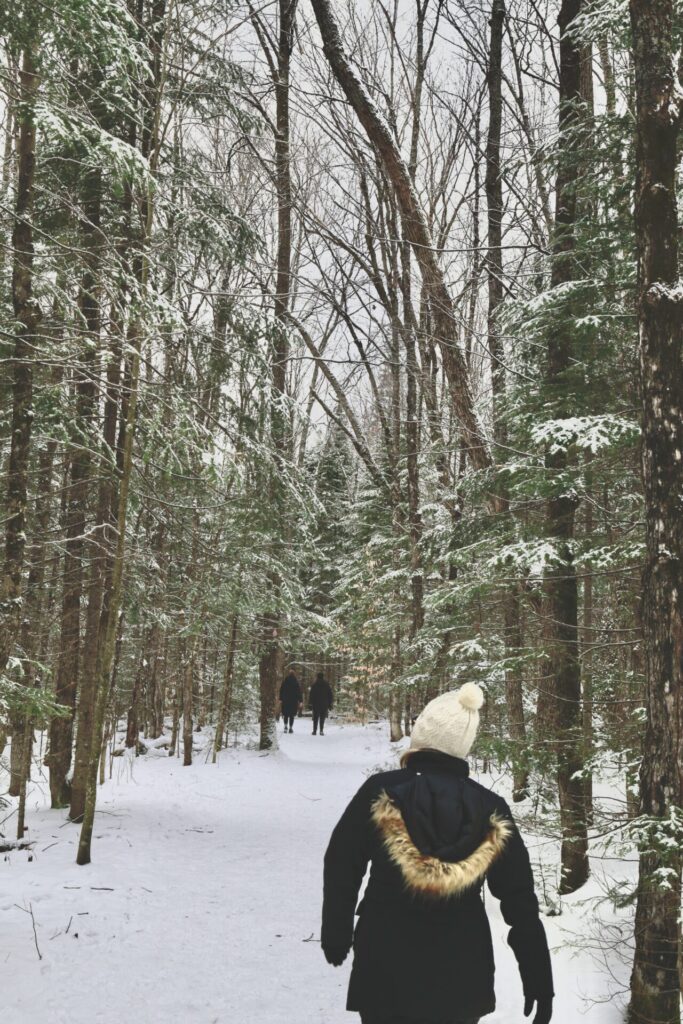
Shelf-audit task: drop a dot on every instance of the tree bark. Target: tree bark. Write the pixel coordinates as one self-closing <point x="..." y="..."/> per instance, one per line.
<point x="561" y="583"/>
<point x="512" y="632"/>
<point x="114" y="540"/>
<point x="655" y="983"/>
<point x="226" y="695"/>
<point x="27" y="318"/>
<point x="188" y="684"/>
<point x="92" y="242"/>
<point x="271" y="654"/>
<point x="69" y="665"/>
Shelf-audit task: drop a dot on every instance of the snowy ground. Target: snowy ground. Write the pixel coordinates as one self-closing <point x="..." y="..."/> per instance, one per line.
<point x="202" y="903"/>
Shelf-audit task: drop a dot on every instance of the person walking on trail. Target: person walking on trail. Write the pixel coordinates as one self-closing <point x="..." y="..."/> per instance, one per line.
<point x="422" y="950"/>
<point x="291" y="699"/>
<point x="320" y="702"/>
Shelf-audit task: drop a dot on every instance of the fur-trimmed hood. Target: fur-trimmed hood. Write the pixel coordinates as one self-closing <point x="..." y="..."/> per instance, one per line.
<point x="426" y="874"/>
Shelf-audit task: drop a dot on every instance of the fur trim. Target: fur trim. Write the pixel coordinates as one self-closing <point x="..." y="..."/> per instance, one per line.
<point x="430" y="876"/>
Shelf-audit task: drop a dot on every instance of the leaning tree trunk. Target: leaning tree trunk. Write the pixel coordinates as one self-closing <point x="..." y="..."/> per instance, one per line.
<point x="412" y="433"/>
<point x="655" y="987"/>
<point x="26" y="338"/>
<point x="562" y="634"/>
<point x="415" y="230"/>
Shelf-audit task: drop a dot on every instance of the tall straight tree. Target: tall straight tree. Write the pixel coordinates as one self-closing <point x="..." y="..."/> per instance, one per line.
<point x="27" y="318"/>
<point x="270" y="662"/>
<point x="494" y="269"/>
<point x="114" y="539"/>
<point x="562" y="636"/>
<point x="655" y="982"/>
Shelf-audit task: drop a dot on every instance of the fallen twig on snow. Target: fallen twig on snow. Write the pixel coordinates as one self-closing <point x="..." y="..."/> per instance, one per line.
<point x="33" y="922"/>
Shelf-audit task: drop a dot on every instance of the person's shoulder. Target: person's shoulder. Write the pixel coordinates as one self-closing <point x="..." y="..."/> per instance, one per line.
<point x="380" y="780"/>
<point x="496" y="802"/>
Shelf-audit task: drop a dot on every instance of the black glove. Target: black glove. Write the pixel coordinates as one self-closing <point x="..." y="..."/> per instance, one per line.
<point x="531" y="951"/>
<point x="544" y="1008"/>
<point x="335" y="955"/>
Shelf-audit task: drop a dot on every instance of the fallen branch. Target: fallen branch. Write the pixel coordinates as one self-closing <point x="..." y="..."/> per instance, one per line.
<point x="6" y="845"/>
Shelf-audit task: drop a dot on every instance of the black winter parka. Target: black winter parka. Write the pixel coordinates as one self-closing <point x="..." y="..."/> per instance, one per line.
<point x="422" y="945"/>
<point x="320" y="697"/>
<point x="290" y="694"/>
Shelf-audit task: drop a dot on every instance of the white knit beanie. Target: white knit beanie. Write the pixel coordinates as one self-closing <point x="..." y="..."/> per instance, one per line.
<point x="449" y="723"/>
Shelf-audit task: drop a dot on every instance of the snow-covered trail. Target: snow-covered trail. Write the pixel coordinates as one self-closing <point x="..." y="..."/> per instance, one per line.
<point x="202" y="903"/>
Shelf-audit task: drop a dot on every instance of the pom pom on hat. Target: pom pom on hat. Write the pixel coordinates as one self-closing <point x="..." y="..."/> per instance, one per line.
<point x="470" y="696"/>
<point x="449" y="723"/>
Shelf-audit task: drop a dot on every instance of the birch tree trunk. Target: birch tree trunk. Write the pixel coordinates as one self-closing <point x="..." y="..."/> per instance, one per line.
<point x="655" y="983"/>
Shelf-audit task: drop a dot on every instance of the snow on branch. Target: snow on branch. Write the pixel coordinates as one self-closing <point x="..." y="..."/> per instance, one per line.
<point x="588" y="433"/>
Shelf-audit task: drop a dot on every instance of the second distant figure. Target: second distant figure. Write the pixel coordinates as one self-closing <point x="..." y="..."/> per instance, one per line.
<point x="320" y="702"/>
<point x="291" y="699"/>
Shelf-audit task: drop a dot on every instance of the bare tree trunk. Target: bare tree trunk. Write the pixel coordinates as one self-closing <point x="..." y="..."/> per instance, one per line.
<point x="271" y="652"/>
<point x="188" y="683"/>
<point x="494" y="267"/>
<point x="27" y="752"/>
<point x="655" y="981"/>
<point x="176" y="721"/>
<point x="27" y="318"/>
<point x="69" y="660"/>
<point x="561" y="583"/>
<point x="27" y="321"/>
<point x="587" y="658"/>
<point x="608" y="75"/>
<point x="395" y="709"/>
<point x="92" y="242"/>
<point x="20" y="765"/>
<point x="226" y="695"/>
<point x="114" y="541"/>
<point x="412" y="367"/>
<point x="269" y="673"/>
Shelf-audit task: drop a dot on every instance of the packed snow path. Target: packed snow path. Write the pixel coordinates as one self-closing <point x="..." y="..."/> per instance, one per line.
<point x="202" y="903"/>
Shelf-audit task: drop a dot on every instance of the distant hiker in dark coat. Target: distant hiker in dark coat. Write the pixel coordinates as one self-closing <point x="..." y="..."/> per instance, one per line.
<point x="422" y="950"/>
<point x="320" y="702"/>
<point x="291" y="699"/>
